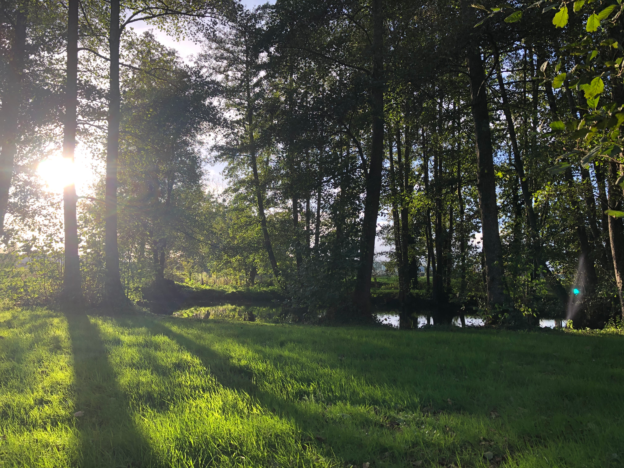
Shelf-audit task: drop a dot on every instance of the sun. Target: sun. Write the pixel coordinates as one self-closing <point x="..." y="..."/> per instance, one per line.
<point x="58" y="172"/>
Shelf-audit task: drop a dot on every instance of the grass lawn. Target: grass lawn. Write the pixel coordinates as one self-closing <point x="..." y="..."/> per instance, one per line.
<point x="165" y="392"/>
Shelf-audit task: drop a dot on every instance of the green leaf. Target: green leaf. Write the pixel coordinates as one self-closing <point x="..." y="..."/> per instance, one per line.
<point x="593" y="22"/>
<point x="558" y="67"/>
<point x="593" y="55"/>
<point x="606" y="12"/>
<point x="514" y="17"/>
<point x="549" y="7"/>
<point x="559" y="80"/>
<point x="561" y="18"/>
<point x="593" y="102"/>
<point x="480" y="7"/>
<point x="615" y="214"/>
<point x="557" y="126"/>
<point x="591" y="155"/>
<point x="559" y="168"/>
<point x="587" y="159"/>
<point x="582" y="133"/>
<point x="572" y="125"/>
<point x="578" y="5"/>
<point x="620" y="182"/>
<point x="481" y="22"/>
<point x="595" y="88"/>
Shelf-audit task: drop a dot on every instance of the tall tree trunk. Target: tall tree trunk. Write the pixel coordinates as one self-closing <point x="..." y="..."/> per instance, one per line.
<point x="112" y="283"/>
<point x="362" y="293"/>
<point x="486" y="182"/>
<point x="449" y="250"/>
<point x="72" y="293"/>
<point x="317" y="219"/>
<point x="253" y="271"/>
<point x="590" y="202"/>
<point x="396" y="222"/>
<point x="402" y="227"/>
<point x="308" y="220"/>
<point x="461" y="232"/>
<point x="406" y="196"/>
<point x="11" y="104"/>
<point x="163" y="258"/>
<point x="552" y="281"/>
<point x="428" y="271"/>
<point x="431" y="266"/>
<point x="439" y="293"/>
<point x="295" y="221"/>
<point x="604" y="206"/>
<point x="159" y="276"/>
<point x="268" y="246"/>
<point x="616" y="233"/>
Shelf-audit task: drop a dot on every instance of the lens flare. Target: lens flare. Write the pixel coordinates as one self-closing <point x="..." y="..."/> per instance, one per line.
<point x="575" y="301"/>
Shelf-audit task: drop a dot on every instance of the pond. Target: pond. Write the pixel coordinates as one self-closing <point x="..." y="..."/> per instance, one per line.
<point x="273" y="314"/>
<point x="393" y="320"/>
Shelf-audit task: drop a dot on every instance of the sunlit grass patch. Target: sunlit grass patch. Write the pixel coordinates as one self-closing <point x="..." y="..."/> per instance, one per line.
<point x="172" y="392"/>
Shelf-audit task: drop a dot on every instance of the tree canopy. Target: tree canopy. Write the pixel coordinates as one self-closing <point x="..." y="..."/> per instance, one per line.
<point x="478" y="143"/>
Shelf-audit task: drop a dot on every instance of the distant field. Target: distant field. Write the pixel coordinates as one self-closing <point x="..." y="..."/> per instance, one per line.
<point x="164" y="392"/>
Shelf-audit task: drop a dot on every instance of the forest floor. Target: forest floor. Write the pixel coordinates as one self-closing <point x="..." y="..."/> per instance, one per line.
<point x="149" y="391"/>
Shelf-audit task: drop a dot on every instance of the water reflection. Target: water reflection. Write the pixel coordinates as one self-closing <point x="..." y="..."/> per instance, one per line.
<point x="393" y="320"/>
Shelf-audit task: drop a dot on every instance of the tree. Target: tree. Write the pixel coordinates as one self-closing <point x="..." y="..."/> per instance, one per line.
<point x="177" y="13"/>
<point x="71" y="281"/>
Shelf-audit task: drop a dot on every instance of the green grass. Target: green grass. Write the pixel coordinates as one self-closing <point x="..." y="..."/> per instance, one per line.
<point x="168" y="392"/>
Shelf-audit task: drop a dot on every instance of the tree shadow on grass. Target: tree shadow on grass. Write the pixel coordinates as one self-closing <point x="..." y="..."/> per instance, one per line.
<point x="309" y="422"/>
<point x="524" y="414"/>
<point x="109" y="437"/>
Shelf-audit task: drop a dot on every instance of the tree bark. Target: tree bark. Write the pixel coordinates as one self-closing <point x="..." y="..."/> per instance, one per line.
<point x="159" y="275"/>
<point x="616" y="233"/>
<point x="362" y="293"/>
<point x="72" y="293"/>
<point x="406" y="196"/>
<point x="268" y="246"/>
<point x="590" y="202"/>
<point x="402" y="225"/>
<point x="12" y="102"/>
<point x="449" y="250"/>
<point x="486" y="182"/>
<point x="431" y="264"/>
<point x="308" y="220"/>
<point x="396" y="228"/>
<point x="317" y="219"/>
<point x="295" y="221"/>
<point x="114" y="293"/>
<point x="604" y="206"/>
<point x="252" y="275"/>
<point x="461" y="232"/>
